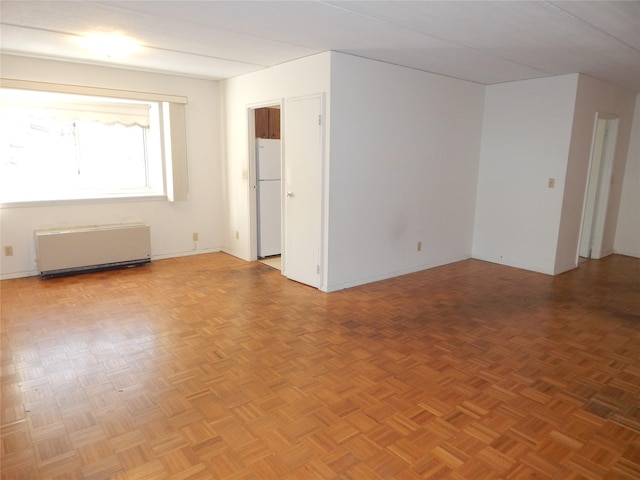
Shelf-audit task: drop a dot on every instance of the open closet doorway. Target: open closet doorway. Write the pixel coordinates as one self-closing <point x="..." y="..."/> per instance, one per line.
<point x="267" y="183"/>
<point x="598" y="187"/>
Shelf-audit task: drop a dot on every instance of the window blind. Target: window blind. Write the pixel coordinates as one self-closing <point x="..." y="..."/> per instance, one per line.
<point x="75" y="107"/>
<point x="93" y="91"/>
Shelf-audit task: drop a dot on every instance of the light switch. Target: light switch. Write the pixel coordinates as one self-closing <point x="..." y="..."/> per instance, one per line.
<point x="552" y="183"/>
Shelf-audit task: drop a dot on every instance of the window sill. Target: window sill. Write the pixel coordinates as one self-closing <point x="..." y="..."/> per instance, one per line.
<point x="84" y="201"/>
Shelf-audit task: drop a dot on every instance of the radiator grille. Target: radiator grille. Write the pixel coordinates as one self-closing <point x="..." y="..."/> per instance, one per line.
<point x="66" y="251"/>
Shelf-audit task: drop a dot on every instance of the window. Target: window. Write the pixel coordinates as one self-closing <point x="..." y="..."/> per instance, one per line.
<point x="61" y="146"/>
<point x="56" y="146"/>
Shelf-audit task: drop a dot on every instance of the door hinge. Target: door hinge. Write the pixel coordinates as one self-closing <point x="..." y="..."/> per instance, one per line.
<point x="319" y="119"/>
<point x="317" y="268"/>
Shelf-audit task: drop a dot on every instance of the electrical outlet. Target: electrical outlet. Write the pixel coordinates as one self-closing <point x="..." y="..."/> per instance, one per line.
<point x="195" y="237"/>
<point x="8" y="251"/>
<point x="419" y="247"/>
<point x="237" y="235"/>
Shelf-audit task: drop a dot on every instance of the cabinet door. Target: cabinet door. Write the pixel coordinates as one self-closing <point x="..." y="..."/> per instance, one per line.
<point x="274" y="123"/>
<point x="262" y="123"/>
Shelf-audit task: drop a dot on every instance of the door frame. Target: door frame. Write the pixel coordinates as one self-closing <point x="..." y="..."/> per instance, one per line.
<point x="599" y="190"/>
<point x="252" y="179"/>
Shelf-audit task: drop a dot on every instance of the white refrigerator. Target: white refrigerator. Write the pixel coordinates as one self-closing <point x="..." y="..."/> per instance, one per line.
<point x="269" y="195"/>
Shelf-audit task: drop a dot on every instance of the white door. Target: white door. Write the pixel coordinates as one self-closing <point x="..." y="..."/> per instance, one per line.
<point x="586" y="242"/>
<point x="303" y="142"/>
<point x="598" y="186"/>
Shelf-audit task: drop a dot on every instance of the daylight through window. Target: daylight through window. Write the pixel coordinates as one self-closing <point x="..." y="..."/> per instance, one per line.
<point x="57" y="146"/>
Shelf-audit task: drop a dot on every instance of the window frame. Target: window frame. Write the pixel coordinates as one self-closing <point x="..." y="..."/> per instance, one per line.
<point x="170" y="145"/>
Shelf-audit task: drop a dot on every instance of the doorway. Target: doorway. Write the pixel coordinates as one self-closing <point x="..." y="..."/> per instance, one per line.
<point x="598" y="187"/>
<point x="301" y="207"/>
<point x="266" y="185"/>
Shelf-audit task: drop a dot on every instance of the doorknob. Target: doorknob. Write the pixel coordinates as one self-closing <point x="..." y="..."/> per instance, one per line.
<point x="288" y="194"/>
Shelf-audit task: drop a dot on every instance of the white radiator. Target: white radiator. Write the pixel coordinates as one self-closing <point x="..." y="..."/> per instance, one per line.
<point x="65" y="251"/>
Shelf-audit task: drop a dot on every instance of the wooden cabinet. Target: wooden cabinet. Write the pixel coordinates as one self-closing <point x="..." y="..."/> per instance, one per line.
<point x="262" y="123"/>
<point x="267" y="122"/>
<point x="274" y="123"/>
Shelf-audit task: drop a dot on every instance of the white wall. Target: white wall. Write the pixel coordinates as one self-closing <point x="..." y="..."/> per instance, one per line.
<point x="172" y="224"/>
<point x="401" y="161"/>
<point x="403" y="166"/>
<point x="525" y="142"/>
<point x="627" y="237"/>
<point x="592" y="97"/>
<point x="306" y="76"/>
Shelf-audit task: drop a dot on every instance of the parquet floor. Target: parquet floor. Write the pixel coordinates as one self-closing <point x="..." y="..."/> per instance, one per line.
<point x="208" y="367"/>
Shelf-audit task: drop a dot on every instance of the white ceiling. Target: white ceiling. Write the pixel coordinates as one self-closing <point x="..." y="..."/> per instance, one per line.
<point x="481" y="41"/>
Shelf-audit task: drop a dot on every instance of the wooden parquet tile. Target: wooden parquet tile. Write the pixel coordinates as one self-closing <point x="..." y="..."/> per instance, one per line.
<point x="208" y="367"/>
